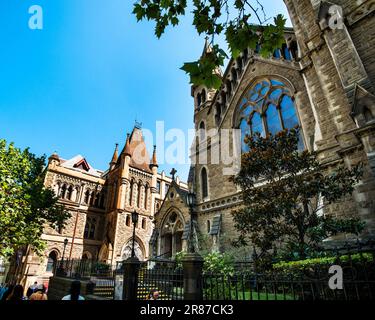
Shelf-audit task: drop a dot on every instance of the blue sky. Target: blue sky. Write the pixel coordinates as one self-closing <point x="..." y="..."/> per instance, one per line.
<point x="77" y="86"/>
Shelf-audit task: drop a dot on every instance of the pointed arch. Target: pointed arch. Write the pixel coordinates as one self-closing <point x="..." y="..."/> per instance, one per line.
<point x="204" y="183"/>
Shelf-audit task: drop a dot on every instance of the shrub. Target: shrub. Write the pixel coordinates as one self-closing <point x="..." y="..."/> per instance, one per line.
<point x="302" y="264"/>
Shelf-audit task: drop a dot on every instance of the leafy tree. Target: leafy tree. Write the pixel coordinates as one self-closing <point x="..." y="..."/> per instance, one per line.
<point x="26" y="206"/>
<point x="214" y="18"/>
<point x="283" y="191"/>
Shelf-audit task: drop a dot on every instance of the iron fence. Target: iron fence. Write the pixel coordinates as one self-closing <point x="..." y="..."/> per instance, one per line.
<point x="301" y="281"/>
<point x="84" y="269"/>
<point x="162" y="276"/>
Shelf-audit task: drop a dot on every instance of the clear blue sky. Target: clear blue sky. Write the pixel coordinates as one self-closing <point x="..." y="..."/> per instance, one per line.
<point x="77" y="86"/>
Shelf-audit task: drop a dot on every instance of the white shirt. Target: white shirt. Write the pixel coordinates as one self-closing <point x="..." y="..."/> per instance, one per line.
<point x="68" y="298"/>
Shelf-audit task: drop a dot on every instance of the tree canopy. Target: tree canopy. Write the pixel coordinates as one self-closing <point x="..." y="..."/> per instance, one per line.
<point x="285" y="191"/>
<point x="230" y="18"/>
<point x="26" y="206"/>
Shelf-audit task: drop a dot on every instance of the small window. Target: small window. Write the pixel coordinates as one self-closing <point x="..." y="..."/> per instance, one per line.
<point x="204" y="96"/>
<point x="63" y="192"/>
<point x="204" y="183"/>
<point x="202" y="131"/>
<point x="143" y="223"/>
<point x="87" y="196"/>
<point x="208" y="226"/>
<point x="127" y="221"/>
<point x="158" y="186"/>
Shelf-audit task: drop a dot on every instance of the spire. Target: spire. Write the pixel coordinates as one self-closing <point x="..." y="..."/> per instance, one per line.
<point x="126" y="151"/>
<point x="154" y="162"/>
<point x="115" y="156"/>
<point x="207" y="46"/>
<point x="208" y="49"/>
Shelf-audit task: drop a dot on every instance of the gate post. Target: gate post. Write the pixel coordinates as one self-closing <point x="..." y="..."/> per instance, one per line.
<point x="193" y="265"/>
<point x="130" y="284"/>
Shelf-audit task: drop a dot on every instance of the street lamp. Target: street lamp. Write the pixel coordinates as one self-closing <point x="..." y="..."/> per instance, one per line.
<point x="65" y="244"/>
<point x="135" y="216"/>
<point x="60" y="270"/>
<point x="190" y="199"/>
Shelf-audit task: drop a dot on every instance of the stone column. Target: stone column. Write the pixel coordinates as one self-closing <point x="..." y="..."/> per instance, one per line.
<point x="193" y="265"/>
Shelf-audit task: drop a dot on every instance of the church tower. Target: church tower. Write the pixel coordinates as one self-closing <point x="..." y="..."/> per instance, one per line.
<point x="337" y="46"/>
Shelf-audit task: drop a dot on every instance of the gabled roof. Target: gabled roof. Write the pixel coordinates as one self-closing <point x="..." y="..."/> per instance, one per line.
<point x="79" y="163"/>
<point x="180" y="191"/>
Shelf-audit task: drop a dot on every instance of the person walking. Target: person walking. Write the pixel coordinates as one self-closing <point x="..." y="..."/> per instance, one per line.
<point x="7" y="292"/>
<point x="32" y="289"/>
<point x="17" y="294"/>
<point x="39" y="294"/>
<point x="75" y="291"/>
<point x="3" y="289"/>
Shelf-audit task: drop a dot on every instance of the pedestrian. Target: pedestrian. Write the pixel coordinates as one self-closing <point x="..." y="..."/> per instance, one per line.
<point x="7" y="293"/>
<point x="3" y="289"/>
<point x="153" y="295"/>
<point x="17" y="294"/>
<point x="39" y="294"/>
<point x="75" y="291"/>
<point x="32" y="289"/>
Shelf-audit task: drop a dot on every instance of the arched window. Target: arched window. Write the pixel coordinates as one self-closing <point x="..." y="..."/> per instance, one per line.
<point x="239" y="65"/>
<point x="229" y="89"/>
<point x="145" y="204"/>
<point x="90" y="228"/>
<point x="127" y="221"/>
<point x="131" y="192"/>
<point x="204" y="96"/>
<point x="204" y="183"/>
<point x="199" y="99"/>
<point x="63" y="191"/>
<point x="52" y="261"/>
<point x="268" y="107"/>
<point x="92" y="198"/>
<point x="69" y="193"/>
<point x="139" y="195"/>
<point x="202" y="131"/>
<point x="234" y="75"/>
<point x="87" y="197"/>
<point x="218" y="114"/>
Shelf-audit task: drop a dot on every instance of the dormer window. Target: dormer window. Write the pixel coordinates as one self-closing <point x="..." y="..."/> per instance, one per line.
<point x="82" y="165"/>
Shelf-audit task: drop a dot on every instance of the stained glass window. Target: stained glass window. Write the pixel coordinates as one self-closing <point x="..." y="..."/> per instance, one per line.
<point x="268" y="107"/>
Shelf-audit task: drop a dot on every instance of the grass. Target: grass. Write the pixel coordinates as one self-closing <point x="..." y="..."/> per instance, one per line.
<point x="260" y="296"/>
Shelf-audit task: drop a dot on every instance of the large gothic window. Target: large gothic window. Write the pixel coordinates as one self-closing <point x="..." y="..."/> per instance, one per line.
<point x="268" y="107"/>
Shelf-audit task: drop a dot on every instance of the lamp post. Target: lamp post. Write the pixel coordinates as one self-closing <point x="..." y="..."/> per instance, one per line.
<point x="65" y="244"/>
<point x="190" y="198"/>
<point x="135" y="216"/>
<point x="60" y="270"/>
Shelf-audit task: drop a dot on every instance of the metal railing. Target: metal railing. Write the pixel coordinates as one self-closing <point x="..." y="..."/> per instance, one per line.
<point x="165" y="278"/>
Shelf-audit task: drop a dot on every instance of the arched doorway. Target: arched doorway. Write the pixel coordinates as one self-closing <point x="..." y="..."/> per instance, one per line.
<point x="171" y="235"/>
<point x="52" y="261"/>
